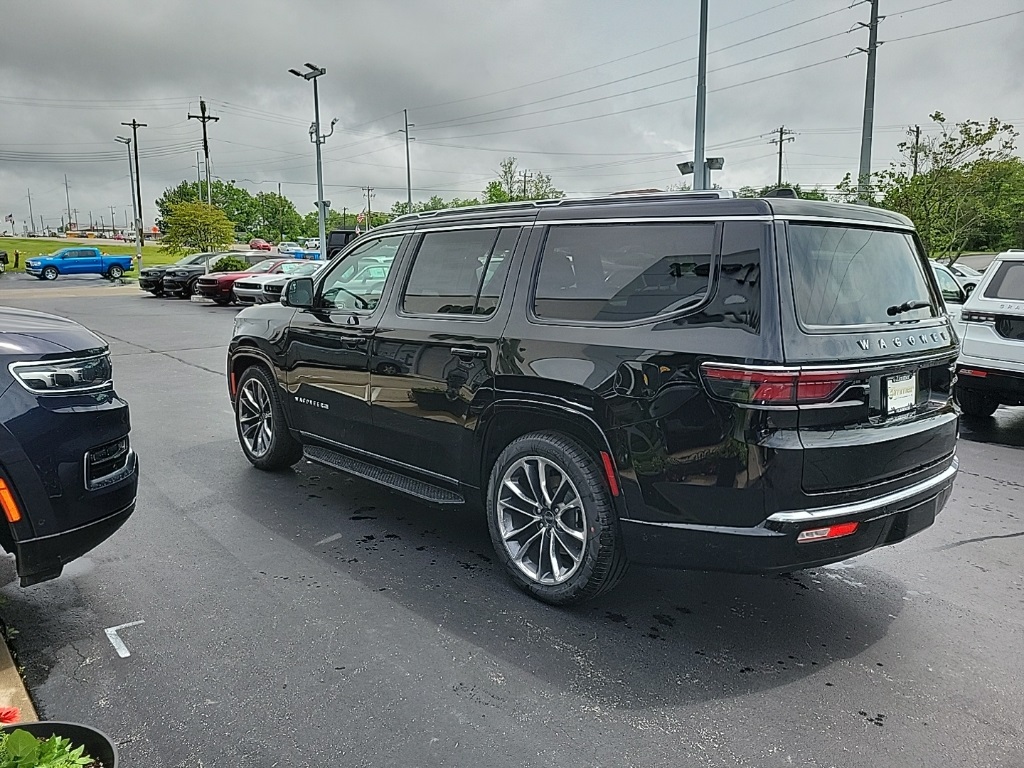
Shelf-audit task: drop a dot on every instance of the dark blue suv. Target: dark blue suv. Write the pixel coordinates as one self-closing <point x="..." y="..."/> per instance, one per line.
<point x="68" y="475"/>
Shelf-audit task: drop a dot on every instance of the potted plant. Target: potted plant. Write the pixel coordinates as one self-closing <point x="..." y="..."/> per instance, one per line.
<point x="51" y="744"/>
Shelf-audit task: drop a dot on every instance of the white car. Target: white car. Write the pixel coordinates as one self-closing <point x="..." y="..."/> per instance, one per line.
<point x="968" y="277"/>
<point x="954" y="296"/>
<point x="288" y="247"/>
<point x="990" y="369"/>
<point x="312" y="244"/>
<point x="265" y="289"/>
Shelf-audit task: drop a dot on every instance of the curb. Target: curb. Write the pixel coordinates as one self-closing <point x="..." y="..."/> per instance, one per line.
<point x="12" y="688"/>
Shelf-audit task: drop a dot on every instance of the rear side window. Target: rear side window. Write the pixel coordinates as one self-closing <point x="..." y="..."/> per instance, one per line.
<point x="1007" y="282"/>
<point x="845" y="276"/>
<point x="460" y="272"/>
<point x="623" y="272"/>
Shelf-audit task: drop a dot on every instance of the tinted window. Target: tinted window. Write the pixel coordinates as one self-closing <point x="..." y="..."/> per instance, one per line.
<point x="617" y="272"/>
<point x="459" y="272"/>
<point x="1007" y="283"/>
<point x="847" y="276"/>
<point x="357" y="280"/>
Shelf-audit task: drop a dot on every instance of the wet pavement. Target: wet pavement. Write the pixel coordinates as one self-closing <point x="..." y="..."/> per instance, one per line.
<point x="309" y="619"/>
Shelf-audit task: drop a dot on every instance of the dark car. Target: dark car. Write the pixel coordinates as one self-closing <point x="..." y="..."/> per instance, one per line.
<point x="337" y="240"/>
<point x="68" y="475"/>
<point x="151" y="279"/>
<point x="689" y="380"/>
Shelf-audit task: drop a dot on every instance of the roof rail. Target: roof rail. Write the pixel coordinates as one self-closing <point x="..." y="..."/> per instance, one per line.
<point x="616" y="197"/>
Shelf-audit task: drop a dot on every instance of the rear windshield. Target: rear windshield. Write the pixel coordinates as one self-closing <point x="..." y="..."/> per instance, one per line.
<point x="1007" y="282"/>
<point x="849" y="276"/>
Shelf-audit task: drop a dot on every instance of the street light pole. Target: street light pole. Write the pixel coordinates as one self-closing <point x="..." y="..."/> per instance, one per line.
<point x="139" y="237"/>
<point x="318" y="138"/>
<point x="700" y="174"/>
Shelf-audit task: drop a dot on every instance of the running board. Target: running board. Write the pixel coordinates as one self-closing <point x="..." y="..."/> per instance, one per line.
<point x="387" y="477"/>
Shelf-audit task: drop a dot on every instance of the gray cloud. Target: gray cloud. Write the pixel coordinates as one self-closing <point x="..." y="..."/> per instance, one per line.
<point x="72" y="72"/>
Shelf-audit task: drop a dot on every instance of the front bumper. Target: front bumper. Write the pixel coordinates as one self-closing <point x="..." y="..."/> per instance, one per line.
<point x="218" y="291"/>
<point x="44" y="558"/>
<point x="34" y="271"/>
<point x="772" y="547"/>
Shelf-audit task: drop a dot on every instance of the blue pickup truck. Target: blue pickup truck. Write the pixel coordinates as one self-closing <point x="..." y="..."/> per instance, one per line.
<point x="78" y="261"/>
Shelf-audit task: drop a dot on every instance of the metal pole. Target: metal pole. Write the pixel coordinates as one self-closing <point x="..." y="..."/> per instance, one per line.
<point x="408" y="164"/>
<point x="864" y="173"/>
<point x="699" y="169"/>
<point x="68" y="195"/>
<point x="319" y="175"/>
<point x="199" y="174"/>
<point x="131" y="184"/>
<point x="203" y="118"/>
<point x="917" y="146"/>
<point x="139" y="237"/>
<point x="31" y="217"/>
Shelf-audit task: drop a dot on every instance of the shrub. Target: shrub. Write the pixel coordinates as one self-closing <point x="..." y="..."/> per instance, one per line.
<point x="230" y="264"/>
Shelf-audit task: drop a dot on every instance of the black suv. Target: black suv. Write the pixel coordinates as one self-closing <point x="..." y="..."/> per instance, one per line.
<point x="687" y="380"/>
<point x="151" y="279"/>
<point x="68" y="475"/>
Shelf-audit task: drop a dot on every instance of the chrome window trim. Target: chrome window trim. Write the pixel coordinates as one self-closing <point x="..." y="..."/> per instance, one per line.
<point x="867" y="223"/>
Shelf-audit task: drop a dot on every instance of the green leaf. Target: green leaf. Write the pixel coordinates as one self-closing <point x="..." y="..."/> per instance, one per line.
<point x="23" y="744"/>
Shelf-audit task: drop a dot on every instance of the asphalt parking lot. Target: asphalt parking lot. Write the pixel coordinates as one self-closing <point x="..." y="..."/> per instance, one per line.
<point x="309" y="619"/>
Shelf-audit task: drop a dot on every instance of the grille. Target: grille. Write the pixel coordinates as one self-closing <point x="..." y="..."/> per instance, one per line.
<point x="248" y="286"/>
<point x="272" y="288"/>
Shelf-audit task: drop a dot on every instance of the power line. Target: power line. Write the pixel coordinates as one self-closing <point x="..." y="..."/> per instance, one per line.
<point x="594" y="66"/>
<point x="958" y="26"/>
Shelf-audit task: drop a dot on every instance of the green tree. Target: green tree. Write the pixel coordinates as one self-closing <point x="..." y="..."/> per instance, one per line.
<point x="804" y="194"/>
<point x="513" y="184"/>
<point x="435" y="203"/>
<point x="234" y="201"/>
<point x="195" y="226"/>
<point x="274" y="218"/>
<point x="949" y="183"/>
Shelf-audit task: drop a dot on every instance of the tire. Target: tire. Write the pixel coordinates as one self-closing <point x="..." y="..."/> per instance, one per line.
<point x="258" y="407"/>
<point x="158" y="292"/>
<point x="587" y="567"/>
<point x="974" y="403"/>
<point x="190" y="290"/>
<point x="50" y="273"/>
<point x="115" y="272"/>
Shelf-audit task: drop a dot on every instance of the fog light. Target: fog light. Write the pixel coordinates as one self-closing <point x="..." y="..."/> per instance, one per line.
<point x="832" y="532"/>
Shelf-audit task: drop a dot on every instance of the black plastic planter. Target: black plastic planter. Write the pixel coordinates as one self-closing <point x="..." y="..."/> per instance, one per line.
<point x="97" y="744"/>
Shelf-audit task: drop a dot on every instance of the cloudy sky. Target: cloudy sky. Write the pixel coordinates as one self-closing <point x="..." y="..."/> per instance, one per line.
<point x="596" y="93"/>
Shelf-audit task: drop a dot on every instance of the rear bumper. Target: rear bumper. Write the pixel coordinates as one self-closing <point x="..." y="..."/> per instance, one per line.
<point x="44" y="558"/>
<point x="772" y="547"/>
<point x="979" y="375"/>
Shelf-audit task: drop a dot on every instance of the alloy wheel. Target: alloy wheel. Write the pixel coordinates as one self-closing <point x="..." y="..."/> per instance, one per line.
<point x="541" y="520"/>
<point x="255" y="417"/>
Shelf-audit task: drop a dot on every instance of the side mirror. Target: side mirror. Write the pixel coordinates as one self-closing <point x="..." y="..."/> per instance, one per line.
<point x="298" y="293"/>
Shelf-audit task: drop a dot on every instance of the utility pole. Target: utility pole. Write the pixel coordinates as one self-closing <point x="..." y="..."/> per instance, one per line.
<point x="280" y="214"/>
<point x="113" y="221"/>
<point x="92" y="226"/>
<point x="199" y="175"/>
<point x="864" y="172"/>
<point x="369" y="194"/>
<point x="917" y="147"/>
<point x="204" y="119"/>
<point x="68" y="196"/>
<point x="344" y="216"/>
<point x="31" y="218"/>
<point x="700" y="173"/>
<point x="408" y="164"/>
<point x="784" y="135"/>
<point x="139" y="236"/>
<point x="526" y="178"/>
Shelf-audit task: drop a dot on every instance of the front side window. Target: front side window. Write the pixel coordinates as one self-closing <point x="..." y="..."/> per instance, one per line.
<point x="948" y="286"/>
<point x="357" y="280"/>
<point x="460" y="272"/>
<point x="847" y="276"/>
<point x="623" y="272"/>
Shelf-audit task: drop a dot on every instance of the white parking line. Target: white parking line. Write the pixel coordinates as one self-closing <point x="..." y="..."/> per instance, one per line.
<point x="117" y="642"/>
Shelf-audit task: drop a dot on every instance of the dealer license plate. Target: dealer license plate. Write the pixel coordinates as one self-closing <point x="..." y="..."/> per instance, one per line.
<point x="902" y="392"/>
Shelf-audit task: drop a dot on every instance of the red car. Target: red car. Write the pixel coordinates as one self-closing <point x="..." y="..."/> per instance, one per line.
<point x="218" y="285"/>
<point x="258" y="244"/>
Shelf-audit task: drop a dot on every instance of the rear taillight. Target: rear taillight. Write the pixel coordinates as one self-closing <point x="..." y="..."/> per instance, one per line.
<point x="977" y="317"/>
<point x="831" y="532"/>
<point x="758" y="386"/>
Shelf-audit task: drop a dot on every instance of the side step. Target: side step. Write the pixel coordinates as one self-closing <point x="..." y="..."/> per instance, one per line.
<point x="386" y="477"/>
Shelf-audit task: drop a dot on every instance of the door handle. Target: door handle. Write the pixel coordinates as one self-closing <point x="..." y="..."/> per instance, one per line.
<point x="465" y="352"/>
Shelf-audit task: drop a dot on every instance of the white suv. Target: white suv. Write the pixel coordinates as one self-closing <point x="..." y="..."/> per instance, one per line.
<point x="990" y="370"/>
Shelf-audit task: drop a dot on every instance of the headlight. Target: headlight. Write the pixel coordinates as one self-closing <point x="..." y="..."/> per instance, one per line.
<point x="58" y="377"/>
